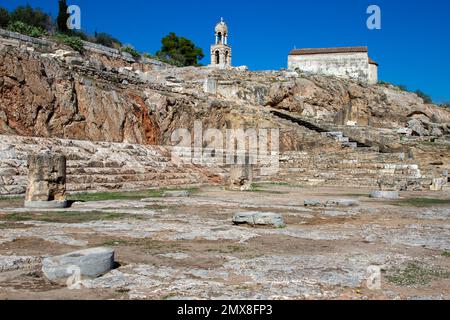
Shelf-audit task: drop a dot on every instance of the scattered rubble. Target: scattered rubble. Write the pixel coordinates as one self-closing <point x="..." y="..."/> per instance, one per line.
<point x="259" y="219"/>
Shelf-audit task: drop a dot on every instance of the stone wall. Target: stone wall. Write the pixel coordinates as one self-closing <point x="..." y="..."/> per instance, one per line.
<point x="345" y="65"/>
<point x="373" y="73"/>
<point x="99" y="166"/>
<point x="92" y="47"/>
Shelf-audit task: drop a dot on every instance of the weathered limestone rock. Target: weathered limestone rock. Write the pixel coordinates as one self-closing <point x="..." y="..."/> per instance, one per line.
<point x="241" y="176"/>
<point x="418" y="128"/>
<point x="90" y="263"/>
<point x="342" y="203"/>
<point x="46" y="181"/>
<point x="313" y="203"/>
<point x="259" y="219"/>
<point x="176" y="194"/>
<point x="390" y="195"/>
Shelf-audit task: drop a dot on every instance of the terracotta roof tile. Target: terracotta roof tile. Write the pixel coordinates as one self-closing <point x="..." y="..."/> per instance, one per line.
<point x="373" y="62"/>
<point x="299" y="52"/>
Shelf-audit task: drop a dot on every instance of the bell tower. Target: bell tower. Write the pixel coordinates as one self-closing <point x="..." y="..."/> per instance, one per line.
<point x="221" y="51"/>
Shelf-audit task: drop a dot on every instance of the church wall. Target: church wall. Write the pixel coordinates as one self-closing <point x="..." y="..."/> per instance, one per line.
<point x="345" y="65"/>
<point x="373" y="74"/>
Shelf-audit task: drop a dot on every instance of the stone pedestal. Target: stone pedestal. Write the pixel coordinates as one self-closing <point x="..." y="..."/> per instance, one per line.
<point x="438" y="184"/>
<point x="241" y="177"/>
<point x="46" y="181"/>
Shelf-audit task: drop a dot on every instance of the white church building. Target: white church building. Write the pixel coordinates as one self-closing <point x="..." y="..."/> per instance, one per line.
<point x="346" y="62"/>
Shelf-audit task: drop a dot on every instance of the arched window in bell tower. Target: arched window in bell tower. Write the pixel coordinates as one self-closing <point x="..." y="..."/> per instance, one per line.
<point x="217" y="57"/>
<point x="226" y="57"/>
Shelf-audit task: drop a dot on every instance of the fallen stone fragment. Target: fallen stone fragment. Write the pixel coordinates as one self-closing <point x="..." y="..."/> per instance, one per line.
<point x="259" y="219"/>
<point x="176" y="194"/>
<point x="313" y="203"/>
<point x="390" y="195"/>
<point x="342" y="203"/>
<point x="90" y="263"/>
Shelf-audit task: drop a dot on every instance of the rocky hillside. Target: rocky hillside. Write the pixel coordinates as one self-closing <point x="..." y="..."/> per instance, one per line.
<point x="56" y="92"/>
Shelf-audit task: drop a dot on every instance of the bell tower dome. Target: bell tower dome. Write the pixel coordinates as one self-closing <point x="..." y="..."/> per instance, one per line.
<point x="221" y="51"/>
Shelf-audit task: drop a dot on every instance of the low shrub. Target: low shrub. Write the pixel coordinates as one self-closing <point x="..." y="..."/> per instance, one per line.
<point x="26" y="29"/>
<point x="131" y="51"/>
<point x="72" y="41"/>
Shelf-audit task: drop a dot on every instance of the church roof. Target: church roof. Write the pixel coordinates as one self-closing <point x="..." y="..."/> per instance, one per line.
<point x="300" y="52"/>
<point x="373" y="62"/>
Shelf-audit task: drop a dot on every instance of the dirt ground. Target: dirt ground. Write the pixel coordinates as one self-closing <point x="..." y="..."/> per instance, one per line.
<point x="172" y="248"/>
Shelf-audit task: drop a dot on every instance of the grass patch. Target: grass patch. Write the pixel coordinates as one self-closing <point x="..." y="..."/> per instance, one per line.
<point x="130" y="195"/>
<point x="12" y="225"/>
<point x="423" y="202"/>
<point x="258" y="187"/>
<point x="415" y="274"/>
<point x="446" y="254"/>
<point x="67" y="217"/>
<point x="228" y="249"/>
<point x="280" y="184"/>
<point x="115" y="243"/>
<point x="72" y="41"/>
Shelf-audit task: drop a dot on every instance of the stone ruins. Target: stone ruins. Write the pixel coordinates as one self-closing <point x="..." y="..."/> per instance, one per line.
<point x="221" y="51"/>
<point x="358" y="178"/>
<point x="46" y="181"/>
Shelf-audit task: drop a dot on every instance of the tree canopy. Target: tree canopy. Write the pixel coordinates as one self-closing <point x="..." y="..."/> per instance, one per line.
<point x="4" y="17"/>
<point x="33" y="17"/>
<point x="63" y="16"/>
<point x="180" y="51"/>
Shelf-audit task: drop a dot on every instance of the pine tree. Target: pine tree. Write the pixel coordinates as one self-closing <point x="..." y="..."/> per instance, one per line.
<point x="63" y="16"/>
<point x="180" y="51"/>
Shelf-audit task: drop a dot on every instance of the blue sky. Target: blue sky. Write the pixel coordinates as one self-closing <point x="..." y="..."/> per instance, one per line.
<point x="413" y="46"/>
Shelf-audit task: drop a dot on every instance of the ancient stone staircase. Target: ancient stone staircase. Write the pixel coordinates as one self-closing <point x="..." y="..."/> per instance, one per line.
<point x="336" y="135"/>
<point x="351" y="169"/>
<point x="99" y="166"/>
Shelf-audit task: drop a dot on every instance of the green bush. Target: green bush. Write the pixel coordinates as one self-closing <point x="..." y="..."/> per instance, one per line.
<point x="426" y="98"/>
<point x="72" y="41"/>
<point x="63" y="16"/>
<point x="131" y="51"/>
<point x="33" y="17"/>
<point x="23" y="28"/>
<point x="165" y="60"/>
<point x="107" y="40"/>
<point x="4" y="17"/>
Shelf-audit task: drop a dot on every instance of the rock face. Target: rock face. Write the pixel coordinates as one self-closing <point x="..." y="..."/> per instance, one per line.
<point x="89" y="263"/>
<point x="54" y="92"/>
<point x="46" y="180"/>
